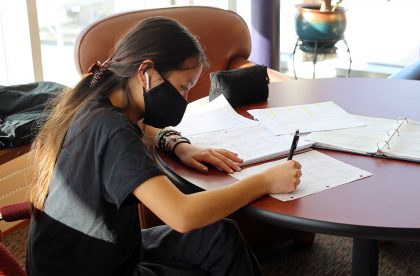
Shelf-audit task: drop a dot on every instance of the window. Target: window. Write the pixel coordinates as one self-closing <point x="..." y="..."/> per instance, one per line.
<point x="61" y="21"/>
<point x="15" y="46"/>
<point x="382" y="35"/>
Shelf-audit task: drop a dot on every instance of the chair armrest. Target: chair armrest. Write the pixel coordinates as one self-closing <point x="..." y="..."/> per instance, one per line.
<point x="410" y="72"/>
<point x="17" y="211"/>
<point x="240" y="62"/>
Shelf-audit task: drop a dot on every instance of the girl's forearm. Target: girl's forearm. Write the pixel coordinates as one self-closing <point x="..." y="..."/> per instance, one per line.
<point x="206" y="207"/>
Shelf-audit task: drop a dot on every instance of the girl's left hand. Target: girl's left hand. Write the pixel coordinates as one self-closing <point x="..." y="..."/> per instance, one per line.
<point x="196" y="157"/>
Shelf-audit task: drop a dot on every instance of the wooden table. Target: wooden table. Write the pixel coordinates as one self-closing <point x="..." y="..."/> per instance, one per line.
<point x="384" y="206"/>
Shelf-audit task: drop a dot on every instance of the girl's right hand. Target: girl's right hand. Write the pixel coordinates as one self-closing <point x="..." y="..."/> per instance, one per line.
<point x="282" y="178"/>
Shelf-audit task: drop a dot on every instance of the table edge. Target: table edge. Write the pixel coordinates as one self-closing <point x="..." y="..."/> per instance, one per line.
<point x="304" y="224"/>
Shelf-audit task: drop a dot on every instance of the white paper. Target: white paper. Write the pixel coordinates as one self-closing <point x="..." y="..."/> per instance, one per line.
<point x="361" y="139"/>
<point x="319" y="172"/>
<point x="212" y="116"/>
<point x="252" y="143"/>
<point x="306" y="118"/>
<point x="404" y="144"/>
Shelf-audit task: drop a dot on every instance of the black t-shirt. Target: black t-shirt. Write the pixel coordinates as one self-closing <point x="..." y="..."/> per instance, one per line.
<point x="90" y="225"/>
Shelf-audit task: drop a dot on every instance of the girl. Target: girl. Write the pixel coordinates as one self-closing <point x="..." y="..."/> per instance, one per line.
<point x="93" y="167"/>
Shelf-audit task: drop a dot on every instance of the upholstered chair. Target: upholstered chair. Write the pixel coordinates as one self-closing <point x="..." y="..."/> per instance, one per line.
<point x="223" y="34"/>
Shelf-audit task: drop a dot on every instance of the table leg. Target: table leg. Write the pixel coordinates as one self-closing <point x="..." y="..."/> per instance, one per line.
<point x="365" y="257"/>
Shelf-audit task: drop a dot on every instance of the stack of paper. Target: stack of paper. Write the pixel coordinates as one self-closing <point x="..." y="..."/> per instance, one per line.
<point x="204" y="117"/>
<point x="252" y="143"/>
<point x="319" y="172"/>
<point x="306" y="118"/>
<point x="217" y="125"/>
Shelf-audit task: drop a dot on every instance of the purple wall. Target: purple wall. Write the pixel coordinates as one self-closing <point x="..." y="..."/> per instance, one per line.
<point x="265" y="31"/>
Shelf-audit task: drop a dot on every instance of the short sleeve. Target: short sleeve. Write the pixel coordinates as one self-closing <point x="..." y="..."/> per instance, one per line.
<point x="126" y="163"/>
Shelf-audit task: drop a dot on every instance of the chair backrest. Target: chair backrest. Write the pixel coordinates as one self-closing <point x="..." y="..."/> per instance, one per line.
<point x="223" y="34"/>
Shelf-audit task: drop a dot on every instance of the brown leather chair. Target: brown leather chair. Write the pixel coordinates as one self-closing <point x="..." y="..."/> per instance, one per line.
<point x="225" y="38"/>
<point x="223" y="34"/>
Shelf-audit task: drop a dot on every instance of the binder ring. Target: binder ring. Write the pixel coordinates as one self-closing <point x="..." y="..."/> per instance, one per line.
<point x="394" y="130"/>
<point x="400" y="120"/>
<point x="381" y="145"/>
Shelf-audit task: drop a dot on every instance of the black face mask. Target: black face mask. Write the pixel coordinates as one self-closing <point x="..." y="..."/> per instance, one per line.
<point x="164" y="106"/>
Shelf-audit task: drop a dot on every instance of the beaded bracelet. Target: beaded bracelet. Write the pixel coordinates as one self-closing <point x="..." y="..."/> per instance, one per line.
<point x="173" y="141"/>
<point x="180" y="142"/>
<point x="168" y="139"/>
<point x="162" y="135"/>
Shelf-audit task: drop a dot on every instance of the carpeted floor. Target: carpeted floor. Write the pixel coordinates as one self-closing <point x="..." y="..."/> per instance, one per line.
<point x="329" y="255"/>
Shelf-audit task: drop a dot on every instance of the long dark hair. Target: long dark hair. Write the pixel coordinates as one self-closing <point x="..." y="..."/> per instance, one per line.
<point x="164" y="41"/>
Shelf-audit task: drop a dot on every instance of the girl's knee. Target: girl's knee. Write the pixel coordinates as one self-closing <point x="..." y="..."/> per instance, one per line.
<point x="229" y="226"/>
<point x="228" y="231"/>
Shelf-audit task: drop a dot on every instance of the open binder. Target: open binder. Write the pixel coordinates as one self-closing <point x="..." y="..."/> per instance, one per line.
<point x="216" y="124"/>
<point x="252" y="143"/>
<point x="397" y="139"/>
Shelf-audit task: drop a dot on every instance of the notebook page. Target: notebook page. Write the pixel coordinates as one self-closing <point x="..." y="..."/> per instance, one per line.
<point x="212" y="116"/>
<point x="306" y="118"/>
<point x="363" y="140"/>
<point x="319" y="172"/>
<point x="406" y="143"/>
<point x="252" y="143"/>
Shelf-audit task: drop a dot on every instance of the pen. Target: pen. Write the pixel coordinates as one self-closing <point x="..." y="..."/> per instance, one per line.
<point x="294" y="145"/>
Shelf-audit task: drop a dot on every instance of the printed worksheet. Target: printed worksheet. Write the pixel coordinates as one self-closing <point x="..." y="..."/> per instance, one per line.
<point x="319" y="172"/>
<point x="252" y="143"/>
<point x="399" y="139"/>
<point x="306" y="118"/>
<point x="361" y="140"/>
<point x="216" y="124"/>
<point x="204" y="117"/>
